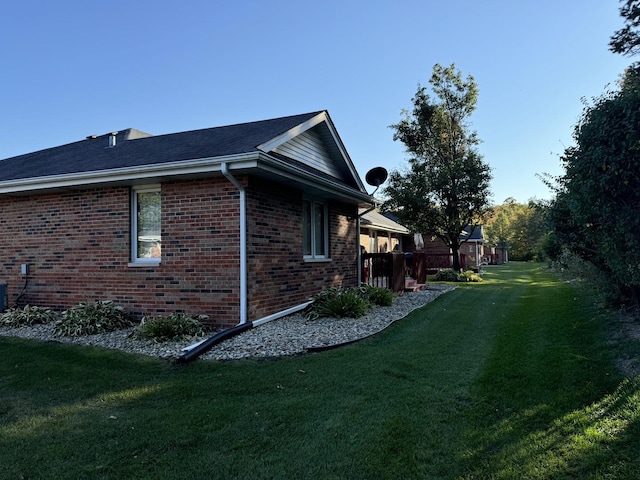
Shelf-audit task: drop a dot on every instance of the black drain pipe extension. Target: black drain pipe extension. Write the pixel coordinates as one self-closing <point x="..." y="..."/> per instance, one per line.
<point x="208" y="344"/>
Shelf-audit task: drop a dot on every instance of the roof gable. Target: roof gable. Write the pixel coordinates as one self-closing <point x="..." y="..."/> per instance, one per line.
<point x="316" y="143"/>
<point x="309" y="148"/>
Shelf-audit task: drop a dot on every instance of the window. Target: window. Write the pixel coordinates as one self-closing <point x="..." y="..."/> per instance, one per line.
<point x="315" y="231"/>
<point x="145" y="225"/>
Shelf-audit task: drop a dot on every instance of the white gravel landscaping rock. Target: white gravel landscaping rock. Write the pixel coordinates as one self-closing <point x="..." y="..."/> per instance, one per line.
<point x="289" y="335"/>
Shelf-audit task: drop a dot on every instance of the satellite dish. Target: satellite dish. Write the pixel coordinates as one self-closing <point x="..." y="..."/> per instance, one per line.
<point x="376" y="176"/>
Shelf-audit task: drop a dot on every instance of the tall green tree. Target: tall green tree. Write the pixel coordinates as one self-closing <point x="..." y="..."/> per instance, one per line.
<point x="446" y="186"/>
<point x="597" y="205"/>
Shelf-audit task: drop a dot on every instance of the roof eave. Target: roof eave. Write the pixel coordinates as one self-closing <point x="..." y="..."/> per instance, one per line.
<point x="135" y="174"/>
<point x="282" y="169"/>
<point x="384" y="228"/>
<point x="246" y="162"/>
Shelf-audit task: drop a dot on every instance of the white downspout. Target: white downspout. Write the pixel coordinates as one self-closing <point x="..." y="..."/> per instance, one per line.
<point x="283" y="313"/>
<point x="243" y="241"/>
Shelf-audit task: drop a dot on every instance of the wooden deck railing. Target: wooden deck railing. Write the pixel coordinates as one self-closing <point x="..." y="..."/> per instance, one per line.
<point x="389" y="270"/>
<point x="386" y="270"/>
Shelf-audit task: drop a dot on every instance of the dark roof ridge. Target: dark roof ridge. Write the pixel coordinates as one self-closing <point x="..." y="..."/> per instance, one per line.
<point x="244" y="124"/>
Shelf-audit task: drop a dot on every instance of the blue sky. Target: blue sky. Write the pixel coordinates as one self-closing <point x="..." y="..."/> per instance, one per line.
<point x="76" y="68"/>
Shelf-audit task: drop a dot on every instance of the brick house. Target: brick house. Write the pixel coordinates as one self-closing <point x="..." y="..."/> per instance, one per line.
<point x="474" y="246"/>
<point x="237" y="222"/>
<point x="472" y="251"/>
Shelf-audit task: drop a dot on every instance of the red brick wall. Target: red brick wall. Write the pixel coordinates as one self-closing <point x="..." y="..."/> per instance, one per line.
<point x="77" y="247"/>
<point x="279" y="277"/>
<point x="435" y="245"/>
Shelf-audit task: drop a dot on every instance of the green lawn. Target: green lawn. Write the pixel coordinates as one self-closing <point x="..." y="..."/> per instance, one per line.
<point x="509" y="378"/>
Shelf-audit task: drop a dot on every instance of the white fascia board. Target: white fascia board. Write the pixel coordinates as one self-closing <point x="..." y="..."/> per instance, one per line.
<point x="291" y="133"/>
<point x="129" y="174"/>
<point x="345" y="154"/>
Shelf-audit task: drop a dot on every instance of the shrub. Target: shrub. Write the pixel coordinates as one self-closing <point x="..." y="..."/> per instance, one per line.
<point x="29" y="315"/>
<point x="446" y="276"/>
<point x="338" y="302"/>
<point x="452" y="276"/>
<point x="86" y="319"/>
<point x="603" y="288"/>
<point x="470" y="276"/>
<point x="176" y="326"/>
<point x="377" y="295"/>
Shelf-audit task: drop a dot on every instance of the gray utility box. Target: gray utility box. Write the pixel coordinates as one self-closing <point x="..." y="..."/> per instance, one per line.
<point x="3" y="296"/>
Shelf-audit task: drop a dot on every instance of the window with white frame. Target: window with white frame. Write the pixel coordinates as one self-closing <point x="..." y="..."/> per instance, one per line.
<point x="315" y="229"/>
<point x="146" y="241"/>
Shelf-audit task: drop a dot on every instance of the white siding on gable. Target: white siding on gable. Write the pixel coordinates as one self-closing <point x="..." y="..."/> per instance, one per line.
<point x="308" y="148"/>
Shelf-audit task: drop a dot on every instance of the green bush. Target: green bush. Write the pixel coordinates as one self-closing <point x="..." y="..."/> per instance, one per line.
<point x="452" y="276"/>
<point x="338" y="302"/>
<point x="86" y="319"/>
<point x="377" y="295"/>
<point x="447" y="276"/>
<point x="29" y="315"/>
<point x="177" y="326"/>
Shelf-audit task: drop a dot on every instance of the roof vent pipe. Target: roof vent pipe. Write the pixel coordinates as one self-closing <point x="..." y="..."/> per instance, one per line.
<point x="112" y="139"/>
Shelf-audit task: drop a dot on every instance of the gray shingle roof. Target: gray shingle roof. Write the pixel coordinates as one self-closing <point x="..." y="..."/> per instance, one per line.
<point x="376" y="220"/>
<point x="476" y="236"/>
<point x="134" y="148"/>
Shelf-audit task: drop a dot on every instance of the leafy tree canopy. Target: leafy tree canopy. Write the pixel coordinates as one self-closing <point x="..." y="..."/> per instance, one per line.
<point x="519" y="227"/>
<point x="446" y="186"/>
<point x="626" y="41"/>
<point x="597" y="204"/>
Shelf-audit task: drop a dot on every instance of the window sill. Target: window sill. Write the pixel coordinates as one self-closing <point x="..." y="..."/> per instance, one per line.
<point x="316" y="260"/>
<point x="145" y="263"/>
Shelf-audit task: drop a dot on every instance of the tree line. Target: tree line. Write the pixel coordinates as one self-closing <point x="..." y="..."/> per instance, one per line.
<point x="595" y="215"/>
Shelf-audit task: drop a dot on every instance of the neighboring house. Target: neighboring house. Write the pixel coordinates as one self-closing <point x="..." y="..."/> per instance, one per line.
<point x="237" y="222"/>
<point x="380" y="234"/>
<point x="472" y="251"/>
<point x="497" y="254"/>
<point x="473" y="247"/>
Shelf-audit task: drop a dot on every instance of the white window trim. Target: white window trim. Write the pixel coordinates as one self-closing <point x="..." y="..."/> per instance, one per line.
<point x="313" y="257"/>
<point x="135" y="261"/>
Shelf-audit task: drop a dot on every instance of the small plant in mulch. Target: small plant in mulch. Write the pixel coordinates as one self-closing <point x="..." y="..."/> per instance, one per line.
<point x="177" y="326"/>
<point x="27" y="315"/>
<point x="338" y="302"/>
<point x="87" y="319"/>
<point x="377" y="295"/>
